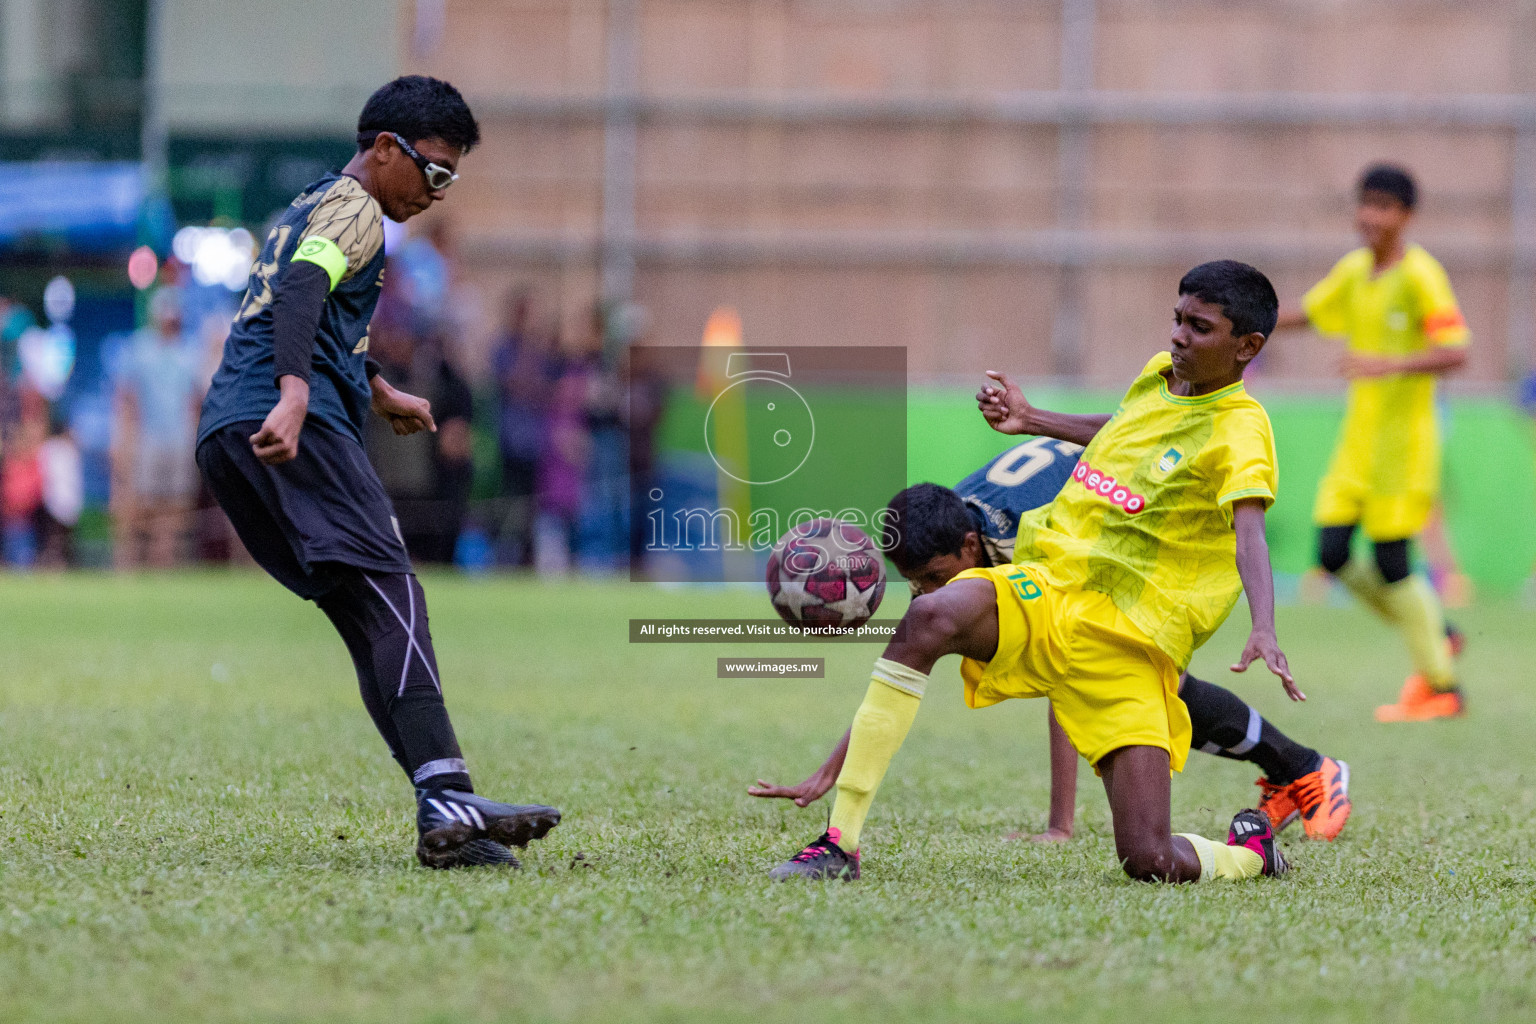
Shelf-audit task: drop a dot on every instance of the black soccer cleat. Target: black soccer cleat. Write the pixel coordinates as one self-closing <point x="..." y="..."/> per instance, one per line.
<point x="475" y="853"/>
<point x="1251" y="830"/>
<point x="822" y="859"/>
<point x="447" y="821"/>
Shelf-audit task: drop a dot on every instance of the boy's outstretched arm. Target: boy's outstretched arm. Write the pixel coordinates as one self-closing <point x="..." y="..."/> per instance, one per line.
<point x="1063" y="783"/>
<point x="1441" y="359"/>
<point x="813" y="788"/>
<point x="1253" y="567"/>
<point x="1063" y="787"/>
<point x="1291" y="317"/>
<point x="1009" y="412"/>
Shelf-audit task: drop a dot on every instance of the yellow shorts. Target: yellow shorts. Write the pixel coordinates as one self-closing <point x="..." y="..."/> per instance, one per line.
<point x="1342" y="500"/>
<point x="1109" y="685"/>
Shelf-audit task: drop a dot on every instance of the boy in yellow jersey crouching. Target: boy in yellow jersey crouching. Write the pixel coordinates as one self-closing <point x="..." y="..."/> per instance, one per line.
<point x="1114" y="584"/>
<point x="1394" y="304"/>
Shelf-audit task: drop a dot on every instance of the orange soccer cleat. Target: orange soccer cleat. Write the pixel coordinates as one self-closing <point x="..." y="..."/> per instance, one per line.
<point x="1322" y="797"/>
<point x="1419" y="702"/>
<point x="1277" y="805"/>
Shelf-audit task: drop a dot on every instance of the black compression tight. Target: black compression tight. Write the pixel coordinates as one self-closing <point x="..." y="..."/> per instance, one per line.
<point x="1222" y="724"/>
<point x="382" y="617"/>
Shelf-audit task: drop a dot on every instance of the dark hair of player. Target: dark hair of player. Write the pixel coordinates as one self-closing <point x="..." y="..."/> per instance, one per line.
<point x="416" y="107"/>
<point x="1391" y="180"/>
<point x="924" y="521"/>
<point x="1244" y="294"/>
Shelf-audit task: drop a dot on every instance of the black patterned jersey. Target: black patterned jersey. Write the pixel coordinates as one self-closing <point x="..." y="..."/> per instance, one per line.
<point x="1024" y="477"/>
<point x="340" y="227"/>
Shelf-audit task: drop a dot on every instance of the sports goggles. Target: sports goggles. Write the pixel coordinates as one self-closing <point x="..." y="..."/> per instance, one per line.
<point x="438" y="177"/>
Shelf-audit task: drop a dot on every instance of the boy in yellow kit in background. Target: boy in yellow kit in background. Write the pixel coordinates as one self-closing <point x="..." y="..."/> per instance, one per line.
<point x="1114" y="584"/>
<point x="1393" y="303"/>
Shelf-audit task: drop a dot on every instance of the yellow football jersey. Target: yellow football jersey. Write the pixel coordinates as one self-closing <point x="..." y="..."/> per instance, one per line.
<point x="1147" y="515"/>
<point x="1389" y="443"/>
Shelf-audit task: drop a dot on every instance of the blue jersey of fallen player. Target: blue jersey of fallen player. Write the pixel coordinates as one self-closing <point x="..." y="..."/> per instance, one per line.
<point x="340" y="227"/>
<point x="1025" y="476"/>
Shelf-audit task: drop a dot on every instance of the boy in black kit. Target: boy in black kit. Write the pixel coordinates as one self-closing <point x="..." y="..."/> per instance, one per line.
<point x="280" y="444"/>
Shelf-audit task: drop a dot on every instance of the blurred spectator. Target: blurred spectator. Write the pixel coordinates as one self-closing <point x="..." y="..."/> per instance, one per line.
<point x="63" y="497"/>
<point x="423" y="274"/>
<point x="604" y="531"/>
<point x="214" y="538"/>
<point x="47" y="354"/>
<point x="646" y="394"/>
<point x="564" y="456"/>
<point x="15" y="319"/>
<point x="21" y="478"/>
<point x="437" y="297"/>
<point x="154" y="476"/>
<point x="427" y="475"/>
<point x="523" y="368"/>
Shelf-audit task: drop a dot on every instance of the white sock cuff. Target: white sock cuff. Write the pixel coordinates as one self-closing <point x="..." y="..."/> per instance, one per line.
<point x="442" y="766"/>
<point x="898" y="676"/>
<point x="1203" y="850"/>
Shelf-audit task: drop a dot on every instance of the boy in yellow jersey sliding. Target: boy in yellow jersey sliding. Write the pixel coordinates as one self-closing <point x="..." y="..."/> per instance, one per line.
<point x="1393" y="303"/>
<point x="1113" y="585"/>
<point x="936" y="533"/>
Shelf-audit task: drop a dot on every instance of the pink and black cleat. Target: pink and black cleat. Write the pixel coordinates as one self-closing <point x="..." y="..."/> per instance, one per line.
<point x="822" y="859"/>
<point x="1252" y="831"/>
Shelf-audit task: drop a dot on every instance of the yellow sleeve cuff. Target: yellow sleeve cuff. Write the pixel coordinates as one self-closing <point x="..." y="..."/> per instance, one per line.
<point x="1247" y="492"/>
<point x="1226" y="501"/>
<point x="325" y="254"/>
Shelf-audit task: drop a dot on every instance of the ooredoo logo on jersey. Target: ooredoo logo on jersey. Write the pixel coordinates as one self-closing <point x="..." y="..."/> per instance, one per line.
<point x="1106" y="486"/>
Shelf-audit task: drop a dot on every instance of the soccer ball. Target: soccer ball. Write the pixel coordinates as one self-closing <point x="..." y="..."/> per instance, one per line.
<point x="826" y="573"/>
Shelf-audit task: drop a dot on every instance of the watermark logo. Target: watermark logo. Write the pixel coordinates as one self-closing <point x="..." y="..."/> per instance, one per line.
<point x="759" y="429"/>
<point x="748" y="444"/>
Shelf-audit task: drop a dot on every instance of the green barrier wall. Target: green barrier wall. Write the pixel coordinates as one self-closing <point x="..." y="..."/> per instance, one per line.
<point x="1490" y="478"/>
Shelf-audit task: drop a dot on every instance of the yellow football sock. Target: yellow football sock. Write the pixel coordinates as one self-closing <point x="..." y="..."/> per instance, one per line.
<point x="1218" y="860"/>
<point x="1417" y="612"/>
<point x="1364" y="581"/>
<point x="881" y="724"/>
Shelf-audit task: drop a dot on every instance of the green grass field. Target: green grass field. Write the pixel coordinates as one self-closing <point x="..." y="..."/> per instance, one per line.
<point x="197" y="822"/>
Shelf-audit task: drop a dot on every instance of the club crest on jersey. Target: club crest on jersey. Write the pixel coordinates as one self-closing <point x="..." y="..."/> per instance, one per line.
<point x="1108" y="488"/>
<point x="1171" y="458"/>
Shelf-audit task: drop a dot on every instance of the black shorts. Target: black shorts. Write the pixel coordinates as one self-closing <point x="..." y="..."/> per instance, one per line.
<point x="301" y="519"/>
